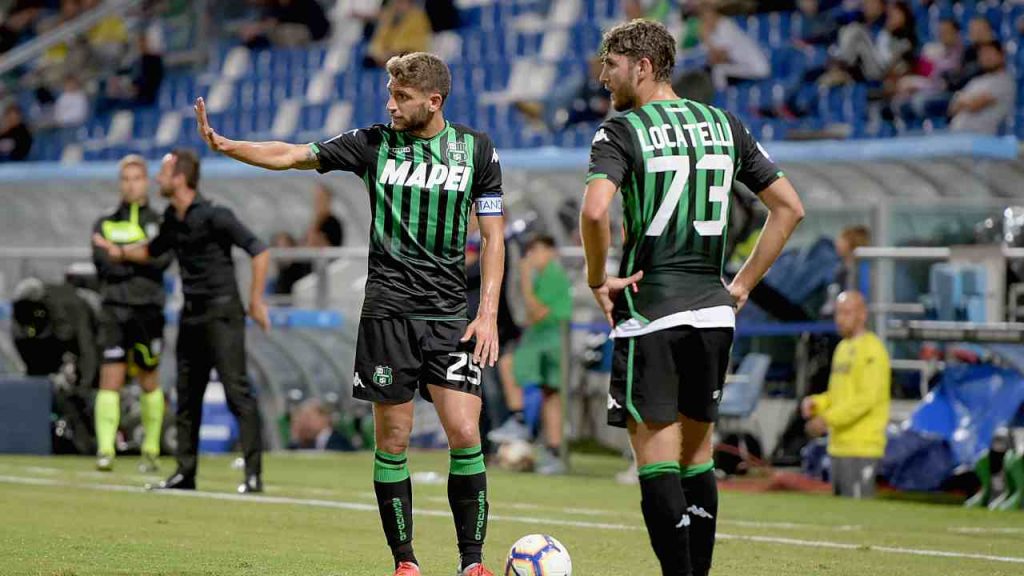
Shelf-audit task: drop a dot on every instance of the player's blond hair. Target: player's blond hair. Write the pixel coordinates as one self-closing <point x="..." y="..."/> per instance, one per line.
<point x="132" y="160"/>
<point x="422" y="71"/>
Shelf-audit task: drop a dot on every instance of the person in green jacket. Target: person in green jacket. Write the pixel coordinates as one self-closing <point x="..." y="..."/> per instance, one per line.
<point x="538" y="358"/>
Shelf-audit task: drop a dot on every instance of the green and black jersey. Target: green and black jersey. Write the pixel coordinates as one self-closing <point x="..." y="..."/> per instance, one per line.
<point x="128" y="283"/>
<point x="675" y="162"/>
<point x="421" y="192"/>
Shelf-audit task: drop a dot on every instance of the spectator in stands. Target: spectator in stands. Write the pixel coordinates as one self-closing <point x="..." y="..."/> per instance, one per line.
<point x="21" y="17"/>
<point x="979" y="33"/>
<point x="855" y="409"/>
<point x="289" y="271"/>
<point x="443" y="15"/>
<point x="325" y="229"/>
<point x="578" y="99"/>
<point x="402" y="27"/>
<point x="137" y="85"/>
<point x="819" y="27"/>
<point x="287" y="23"/>
<point x="72" y="106"/>
<point x="658" y="10"/>
<point x="62" y="58"/>
<point x="883" y="42"/>
<point x="732" y="55"/>
<point x="109" y="36"/>
<point x="15" y="138"/>
<point x="311" y="429"/>
<point x="987" y="101"/>
<point x="921" y="96"/>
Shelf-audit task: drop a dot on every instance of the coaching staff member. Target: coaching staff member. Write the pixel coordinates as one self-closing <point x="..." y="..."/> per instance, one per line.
<point x="212" y="331"/>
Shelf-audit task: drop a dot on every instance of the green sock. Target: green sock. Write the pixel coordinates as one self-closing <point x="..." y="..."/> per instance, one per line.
<point x="467" y="497"/>
<point x="108" y="414"/>
<point x="152" y="420"/>
<point x="393" y="488"/>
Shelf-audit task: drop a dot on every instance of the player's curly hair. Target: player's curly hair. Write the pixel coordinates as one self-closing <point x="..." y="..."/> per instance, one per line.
<point x="638" y="39"/>
<point x="423" y="71"/>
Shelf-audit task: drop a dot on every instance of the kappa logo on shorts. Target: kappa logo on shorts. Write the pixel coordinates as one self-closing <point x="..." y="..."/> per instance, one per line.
<point x="113" y="353"/>
<point x="382" y="376"/>
<point x="357" y="382"/>
<point x="613" y="404"/>
<point x="716" y="396"/>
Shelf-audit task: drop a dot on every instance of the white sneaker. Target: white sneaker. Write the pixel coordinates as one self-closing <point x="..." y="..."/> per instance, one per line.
<point x="510" y="431"/>
<point x="104" y="463"/>
<point x="629" y="476"/>
<point x="550" y="464"/>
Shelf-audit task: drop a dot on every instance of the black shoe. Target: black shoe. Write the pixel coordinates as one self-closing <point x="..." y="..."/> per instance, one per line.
<point x="253" y="484"/>
<point x="177" y="481"/>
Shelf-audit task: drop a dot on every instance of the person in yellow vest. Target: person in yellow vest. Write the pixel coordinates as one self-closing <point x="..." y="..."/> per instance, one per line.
<point x="132" y="318"/>
<point x="855" y="409"/>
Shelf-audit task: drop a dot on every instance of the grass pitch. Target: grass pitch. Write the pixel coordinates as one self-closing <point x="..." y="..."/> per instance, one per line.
<point x="318" y="517"/>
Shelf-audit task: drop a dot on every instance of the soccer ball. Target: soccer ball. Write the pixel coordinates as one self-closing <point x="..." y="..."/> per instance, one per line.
<point x="515" y="456"/>
<point x="538" y="555"/>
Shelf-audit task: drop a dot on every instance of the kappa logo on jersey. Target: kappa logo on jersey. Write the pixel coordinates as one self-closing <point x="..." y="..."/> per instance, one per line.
<point x="382" y="376"/>
<point x="409" y="175"/>
<point x="357" y="382"/>
<point x="457" y="152"/>
<point x="601" y="136"/>
<point x="495" y="158"/>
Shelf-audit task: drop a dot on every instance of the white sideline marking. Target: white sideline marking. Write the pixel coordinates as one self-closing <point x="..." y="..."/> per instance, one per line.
<point x="501" y="518"/>
<point x="790" y="525"/>
<point x="984" y="530"/>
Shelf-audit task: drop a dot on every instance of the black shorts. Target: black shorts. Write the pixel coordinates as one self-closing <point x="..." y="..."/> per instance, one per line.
<point x="397" y="356"/>
<point x="132" y="334"/>
<point x="657" y="376"/>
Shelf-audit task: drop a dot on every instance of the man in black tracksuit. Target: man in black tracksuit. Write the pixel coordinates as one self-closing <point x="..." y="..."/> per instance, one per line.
<point x="132" y="319"/>
<point x="212" y="332"/>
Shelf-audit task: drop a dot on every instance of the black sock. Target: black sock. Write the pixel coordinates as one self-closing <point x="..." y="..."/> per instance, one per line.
<point x="467" y="496"/>
<point x="394" y="500"/>
<point x="664" y="508"/>
<point x="518" y="416"/>
<point x="701" y="490"/>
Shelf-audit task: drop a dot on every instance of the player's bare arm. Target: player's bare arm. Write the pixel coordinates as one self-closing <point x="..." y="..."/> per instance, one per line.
<point x="596" y="235"/>
<point x="785" y="211"/>
<point x="257" y="307"/>
<point x="492" y="261"/>
<point x="269" y="155"/>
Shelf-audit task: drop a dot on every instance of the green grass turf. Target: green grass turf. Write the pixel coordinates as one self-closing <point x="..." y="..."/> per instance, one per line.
<point x="325" y="523"/>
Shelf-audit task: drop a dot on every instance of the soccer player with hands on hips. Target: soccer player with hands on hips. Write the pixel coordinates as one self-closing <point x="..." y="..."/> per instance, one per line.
<point x="674" y="162"/>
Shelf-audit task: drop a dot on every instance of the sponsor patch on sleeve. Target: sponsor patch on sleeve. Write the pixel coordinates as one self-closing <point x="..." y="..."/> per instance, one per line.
<point x="489" y="206"/>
